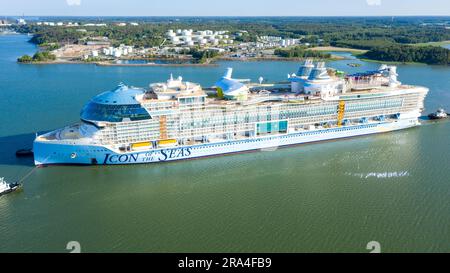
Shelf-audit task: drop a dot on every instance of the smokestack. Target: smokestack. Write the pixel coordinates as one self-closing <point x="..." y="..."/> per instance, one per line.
<point x="229" y="73"/>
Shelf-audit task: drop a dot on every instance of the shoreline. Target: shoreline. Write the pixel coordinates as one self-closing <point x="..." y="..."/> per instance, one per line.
<point x="116" y="64"/>
<point x="209" y="64"/>
<point x="393" y="62"/>
<point x="213" y="62"/>
<point x="279" y="59"/>
<point x="154" y="64"/>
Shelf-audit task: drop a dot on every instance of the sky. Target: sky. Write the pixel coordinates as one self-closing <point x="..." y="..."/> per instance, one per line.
<point x="224" y="7"/>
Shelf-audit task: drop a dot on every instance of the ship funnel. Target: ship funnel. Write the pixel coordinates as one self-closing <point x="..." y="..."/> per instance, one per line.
<point x="306" y="68"/>
<point x="383" y="67"/>
<point x="393" y="81"/>
<point x="319" y="72"/>
<point x="321" y="65"/>
<point x="228" y="73"/>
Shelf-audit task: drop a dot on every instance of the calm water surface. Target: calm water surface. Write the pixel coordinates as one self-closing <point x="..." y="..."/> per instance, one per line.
<point x="334" y="196"/>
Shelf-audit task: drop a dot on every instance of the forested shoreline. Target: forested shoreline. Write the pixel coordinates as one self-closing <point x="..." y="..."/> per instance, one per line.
<point x="385" y="38"/>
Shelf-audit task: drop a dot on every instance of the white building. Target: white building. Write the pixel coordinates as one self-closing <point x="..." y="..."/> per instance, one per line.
<point x="21" y="21"/>
<point x="190" y="37"/>
<point x="117" y="52"/>
<point x="186" y="33"/>
<point x="220" y="50"/>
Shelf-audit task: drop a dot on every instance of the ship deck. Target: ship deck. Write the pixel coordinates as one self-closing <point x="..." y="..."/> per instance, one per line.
<point x="268" y="96"/>
<point x="69" y="133"/>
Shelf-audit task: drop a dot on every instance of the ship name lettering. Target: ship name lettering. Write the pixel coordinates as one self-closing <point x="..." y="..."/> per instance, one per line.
<point x="128" y="158"/>
<point x="175" y="153"/>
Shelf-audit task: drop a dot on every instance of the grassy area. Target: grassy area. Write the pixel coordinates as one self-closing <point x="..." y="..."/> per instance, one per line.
<point x="442" y="43"/>
<point x="339" y="49"/>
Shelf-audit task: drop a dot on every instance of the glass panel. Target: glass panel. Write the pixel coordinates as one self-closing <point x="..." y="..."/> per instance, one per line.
<point x="113" y="113"/>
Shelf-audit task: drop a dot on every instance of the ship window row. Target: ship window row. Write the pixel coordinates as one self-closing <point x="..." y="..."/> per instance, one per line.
<point x="307" y="109"/>
<point x="319" y="132"/>
<point x="90" y="151"/>
<point x="373" y="105"/>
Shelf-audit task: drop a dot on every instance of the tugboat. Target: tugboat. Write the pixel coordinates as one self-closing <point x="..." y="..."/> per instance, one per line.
<point x="6" y="188"/>
<point x="24" y="153"/>
<point x="439" y="114"/>
<point x="354" y="65"/>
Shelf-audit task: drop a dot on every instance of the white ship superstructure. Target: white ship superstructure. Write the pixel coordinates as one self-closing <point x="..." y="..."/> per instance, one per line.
<point x="178" y="120"/>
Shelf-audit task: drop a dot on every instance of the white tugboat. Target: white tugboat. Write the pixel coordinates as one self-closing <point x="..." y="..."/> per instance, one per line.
<point x="439" y="114"/>
<point x="8" y="187"/>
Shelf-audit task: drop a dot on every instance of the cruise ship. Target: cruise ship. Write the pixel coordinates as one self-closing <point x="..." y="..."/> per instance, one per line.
<point x="177" y="120"/>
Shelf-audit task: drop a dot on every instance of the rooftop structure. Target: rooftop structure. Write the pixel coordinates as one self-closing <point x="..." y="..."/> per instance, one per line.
<point x="115" y="106"/>
<point x="175" y="89"/>
<point x="317" y="79"/>
<point x="230" y="88"/>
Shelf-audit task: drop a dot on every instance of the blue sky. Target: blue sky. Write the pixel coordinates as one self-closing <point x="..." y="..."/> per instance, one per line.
<point x="225" y="7"/>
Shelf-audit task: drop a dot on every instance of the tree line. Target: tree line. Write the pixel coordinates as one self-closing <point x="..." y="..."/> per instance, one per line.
<point x="404" y="53"/>
<point x="44" y="56"/>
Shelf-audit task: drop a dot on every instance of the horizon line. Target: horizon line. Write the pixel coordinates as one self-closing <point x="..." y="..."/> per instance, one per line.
<point x="228" y="16"/>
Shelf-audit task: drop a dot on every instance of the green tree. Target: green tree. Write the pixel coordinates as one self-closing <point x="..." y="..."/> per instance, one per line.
<point x="25" y="59"/>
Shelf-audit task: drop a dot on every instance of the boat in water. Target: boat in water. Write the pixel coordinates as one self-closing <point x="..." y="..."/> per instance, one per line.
<point x="24" y="153"/>
<point x="439" y="114"/>
<point x="6" y="188"/>
<point x="177" y="119"/>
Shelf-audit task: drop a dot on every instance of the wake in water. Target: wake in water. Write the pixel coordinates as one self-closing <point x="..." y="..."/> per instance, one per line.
<point x="383" y="175"/>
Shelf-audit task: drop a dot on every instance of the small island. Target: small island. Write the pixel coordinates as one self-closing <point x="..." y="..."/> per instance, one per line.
<point x="39" y="57"/>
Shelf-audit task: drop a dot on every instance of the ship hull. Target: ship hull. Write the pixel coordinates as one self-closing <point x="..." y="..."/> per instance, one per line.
<point x="46" y="153"/>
